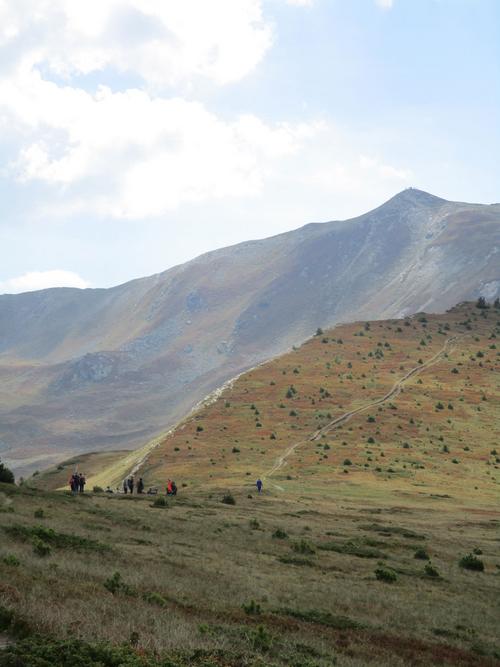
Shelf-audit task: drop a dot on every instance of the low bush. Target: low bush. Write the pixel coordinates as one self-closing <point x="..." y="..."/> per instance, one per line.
<point x="352" y="548"/>
<point x="155" y="598"/>
<point x="98" y="489"/>
<point x="228" y="499"/>
<point x="431" y="571"/>
<point x="252" y="608"/>
<point x="280" y="534"/>
<point x="471" y="562"/>
<point x="304" y="547"/>
<point x="115" y="584"/>
<point x="55" y="539"/>
<point x="39" y="514"/>
<point x="40" y="548"/>
<point x="40" y="651"/>
<point x="6" y="475"/>
<point x="421" y="554"/>
<point x="11" y="560"/>
<point x="161" y="501"/>
<point x="383" y="574"/>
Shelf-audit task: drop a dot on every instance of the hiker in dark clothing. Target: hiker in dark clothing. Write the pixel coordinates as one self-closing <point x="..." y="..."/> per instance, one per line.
<point x="131" y="484"/>
<point x="173" y="489"/>
<point x="81" y="483"/>
<point x="73" y="483"/>
<point x="259" y="485"/>
<point x="125" y="486"/>
<point x="140" y="485"/>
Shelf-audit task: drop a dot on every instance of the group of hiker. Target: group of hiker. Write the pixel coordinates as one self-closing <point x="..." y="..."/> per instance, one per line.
<point x="129" y="485"/>
<point x="77" y="483"/>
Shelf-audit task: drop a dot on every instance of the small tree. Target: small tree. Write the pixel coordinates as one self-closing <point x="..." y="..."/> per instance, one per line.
<point x="6" y="475"/>
<point x="319" y="331"/>
<point x="496" y="303"/>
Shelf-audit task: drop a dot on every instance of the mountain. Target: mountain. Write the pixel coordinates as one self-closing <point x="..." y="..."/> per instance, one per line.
<point x="102" y="369"/>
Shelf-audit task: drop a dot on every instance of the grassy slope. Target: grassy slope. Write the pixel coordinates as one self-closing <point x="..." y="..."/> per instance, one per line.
<point x="205" y="559"/>
<point x="330" y="377"/>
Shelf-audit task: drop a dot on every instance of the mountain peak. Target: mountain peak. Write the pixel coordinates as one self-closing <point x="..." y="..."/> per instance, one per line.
<point x="418" y="197"/>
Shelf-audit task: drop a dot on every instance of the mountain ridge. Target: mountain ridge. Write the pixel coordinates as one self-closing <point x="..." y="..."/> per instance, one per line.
<point x="80" y="367"/>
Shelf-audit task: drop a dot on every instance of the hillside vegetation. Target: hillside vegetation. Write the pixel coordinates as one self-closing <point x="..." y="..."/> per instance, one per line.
<point x="375" y="541"/>
<point x="439" y="432"/>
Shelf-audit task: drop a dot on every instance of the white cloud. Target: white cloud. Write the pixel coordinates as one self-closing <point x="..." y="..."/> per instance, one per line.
<point x="37" y="280"/>
<point x="164" y="42"/>
<point x="153" y="154"/>
<point x="384" y="4"/>
<point x="135" y="153"/>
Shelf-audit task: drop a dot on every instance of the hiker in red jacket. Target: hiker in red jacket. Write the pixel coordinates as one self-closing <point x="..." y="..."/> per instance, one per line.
<point x="169" y="487"/>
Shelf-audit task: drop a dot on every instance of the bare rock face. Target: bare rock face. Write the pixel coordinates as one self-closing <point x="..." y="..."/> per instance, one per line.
<point x="108" y="368"/>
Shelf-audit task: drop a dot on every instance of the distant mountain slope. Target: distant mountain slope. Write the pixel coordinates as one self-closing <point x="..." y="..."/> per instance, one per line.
<point x="392" y="406"/>
<point x="82" y="370"/>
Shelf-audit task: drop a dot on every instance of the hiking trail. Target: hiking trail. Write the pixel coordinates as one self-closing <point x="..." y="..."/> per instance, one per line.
<point x="281" y="461"/>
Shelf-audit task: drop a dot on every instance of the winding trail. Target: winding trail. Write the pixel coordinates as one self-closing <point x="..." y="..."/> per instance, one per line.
<point x="281" y="461"/>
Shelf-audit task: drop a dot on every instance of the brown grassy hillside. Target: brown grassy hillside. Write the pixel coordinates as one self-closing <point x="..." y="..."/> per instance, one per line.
<point x="437" y="435"/>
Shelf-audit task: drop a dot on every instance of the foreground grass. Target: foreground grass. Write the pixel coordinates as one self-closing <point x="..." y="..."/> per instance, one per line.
<point x="271" y="580"/>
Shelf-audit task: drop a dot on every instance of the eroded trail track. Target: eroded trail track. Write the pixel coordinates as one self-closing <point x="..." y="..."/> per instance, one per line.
<point x="282" y="460"/>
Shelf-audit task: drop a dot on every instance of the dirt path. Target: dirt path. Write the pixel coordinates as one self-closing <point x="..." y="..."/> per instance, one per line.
<point x="281" y="461"/>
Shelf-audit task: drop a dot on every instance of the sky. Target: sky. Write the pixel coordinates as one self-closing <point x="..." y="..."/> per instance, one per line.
<point x="137" y="134"/>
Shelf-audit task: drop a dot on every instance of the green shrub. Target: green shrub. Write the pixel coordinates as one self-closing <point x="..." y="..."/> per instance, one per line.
<point x="471" y="562"/>
<point x="252" y="608"/>
<point x="115" y="584"/>
<point x="228" y="499"/>
<point x="12" y="560"/>
<point x="40" y="548"/>
<point x="254" y="524"/>
<point x="303" y="547"/>
<point x="6" y="475"/>
<point x="155" y="598"/>
<point x="98" y="489"/>
<point x="39" y="514"/>
<point x="431" y="571"/>
<point x="199" y="429"/>
<point x="352" y="548"/>
<point x="383" y="574"/>
<point x="55" y="539"/>
<point x="347" y="462"/>
<point x="280" y="534"/>
<point x="421" y="554"/>
<point x="39" y="651"/>
<point x="260" y="639"/>
<point x="161" y="501"/>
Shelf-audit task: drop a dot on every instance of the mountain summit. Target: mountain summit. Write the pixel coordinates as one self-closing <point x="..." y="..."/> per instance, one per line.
<point x="108" y="368"/>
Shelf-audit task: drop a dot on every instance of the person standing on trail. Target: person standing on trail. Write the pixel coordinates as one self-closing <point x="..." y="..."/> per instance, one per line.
<point x="125" y="486"/>
<point x="169" y="487"/>
<point x="73" y="483"/>
<point x="131" y="484"/>
<point x="81" y="483"/>
<point x="140" y="485"/>
<point x="259" y="485"/>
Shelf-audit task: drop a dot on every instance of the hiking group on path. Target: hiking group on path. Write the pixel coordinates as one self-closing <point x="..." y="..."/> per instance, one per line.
<point x="77" y="483"/>
<point x="129" y="485"/>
